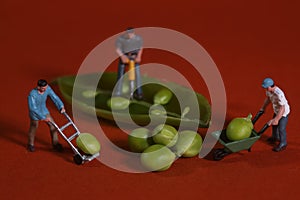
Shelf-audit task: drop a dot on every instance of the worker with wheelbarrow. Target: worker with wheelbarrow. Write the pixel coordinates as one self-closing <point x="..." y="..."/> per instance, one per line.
<point x="281" y="113"/>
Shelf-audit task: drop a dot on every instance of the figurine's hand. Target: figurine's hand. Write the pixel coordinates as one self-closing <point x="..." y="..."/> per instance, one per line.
<point x="138" y="59"/>
<point x="273" y="122"/>
<point x="48" y="119"/>
<point x="62" y="110"/>
<point x="124" y="59"/>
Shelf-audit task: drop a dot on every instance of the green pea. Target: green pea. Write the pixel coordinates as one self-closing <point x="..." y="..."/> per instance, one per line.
<point x="163" y="96"/>
<point x="89" y="93"/>
<point x="157" y="110"/>
<point x="125" y="88"/>
<point x="165" y="134"/>
<point x="188" y="144"/>
<point x="118" y="103"/>
<point x="139" y="139"/>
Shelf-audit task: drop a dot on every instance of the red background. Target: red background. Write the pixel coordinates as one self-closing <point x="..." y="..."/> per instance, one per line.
<point x="248" y="40"/>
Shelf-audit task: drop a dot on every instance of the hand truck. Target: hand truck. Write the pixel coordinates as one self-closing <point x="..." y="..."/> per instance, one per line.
<point x="79" y="157"/>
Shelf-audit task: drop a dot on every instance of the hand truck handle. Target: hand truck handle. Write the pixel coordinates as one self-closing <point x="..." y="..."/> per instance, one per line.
<point x="67" y="116"/>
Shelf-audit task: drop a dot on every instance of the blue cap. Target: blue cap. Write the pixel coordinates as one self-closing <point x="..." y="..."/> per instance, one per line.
<point x="268" y="82"/>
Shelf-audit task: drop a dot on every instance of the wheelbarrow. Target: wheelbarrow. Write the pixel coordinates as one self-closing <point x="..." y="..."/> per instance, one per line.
<point x="236" y="146"/>
<point x="87" y="141"/>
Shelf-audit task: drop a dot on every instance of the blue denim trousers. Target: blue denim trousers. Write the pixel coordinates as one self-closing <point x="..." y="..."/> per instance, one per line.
<point x="279" y="131"/>
<point x="120" y="77"/>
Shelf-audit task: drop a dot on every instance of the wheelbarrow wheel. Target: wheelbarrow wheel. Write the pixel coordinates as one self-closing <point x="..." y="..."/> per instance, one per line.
<point x="77" y="159"/>
<point x="219" y="154"/>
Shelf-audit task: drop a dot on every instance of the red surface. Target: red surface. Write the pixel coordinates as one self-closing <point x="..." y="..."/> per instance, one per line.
<point x="247" y="40"/>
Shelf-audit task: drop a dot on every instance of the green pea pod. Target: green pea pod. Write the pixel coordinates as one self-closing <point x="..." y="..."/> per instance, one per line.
<point x="139" y="110"/>
<point x="163" y="96"/>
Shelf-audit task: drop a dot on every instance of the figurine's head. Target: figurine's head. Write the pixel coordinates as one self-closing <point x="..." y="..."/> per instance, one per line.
<point x="42" y="85"/>
<point x="268" y="84"/>
<point x="130" y="32"/>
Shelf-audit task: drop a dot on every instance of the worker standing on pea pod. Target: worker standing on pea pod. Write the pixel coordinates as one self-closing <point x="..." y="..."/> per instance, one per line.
<point x="39" y="112"/>
<point x="281" y="112"/>
<point x="129" y="46"/>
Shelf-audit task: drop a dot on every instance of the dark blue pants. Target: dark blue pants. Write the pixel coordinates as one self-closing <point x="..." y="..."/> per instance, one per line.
<point x="279" y="131"/>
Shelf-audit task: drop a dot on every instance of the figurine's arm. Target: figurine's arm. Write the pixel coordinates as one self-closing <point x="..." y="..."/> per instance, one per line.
<point x="278" y="116"/>
<point x="266" y="103"/>
<point x="123" y="57"/>
<point x="56" y="100"/>
<point x="138" y="58"/>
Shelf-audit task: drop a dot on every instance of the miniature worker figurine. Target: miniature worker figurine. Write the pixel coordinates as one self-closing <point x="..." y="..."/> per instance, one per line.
<point x="39" y="112"/>
<point x="281" y="112"/>
<point x="129" y="46"/>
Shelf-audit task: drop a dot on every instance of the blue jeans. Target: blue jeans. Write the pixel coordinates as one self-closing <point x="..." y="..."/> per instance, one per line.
<point x="121" y="71"/>
<point x="279" y="131"/>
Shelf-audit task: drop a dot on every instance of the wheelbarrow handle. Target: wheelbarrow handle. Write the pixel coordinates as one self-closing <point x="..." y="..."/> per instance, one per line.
<point x="264" y="128"/>
<point x="257" y="116"/>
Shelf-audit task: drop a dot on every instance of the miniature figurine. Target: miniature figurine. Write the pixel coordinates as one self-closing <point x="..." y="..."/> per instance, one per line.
<point x="281" y="112"/>
<point x="39" y="112"/>
<point x="129" y="48"/>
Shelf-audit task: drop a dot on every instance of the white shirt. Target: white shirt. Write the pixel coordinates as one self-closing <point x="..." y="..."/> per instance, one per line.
<point x="278" y="99"/>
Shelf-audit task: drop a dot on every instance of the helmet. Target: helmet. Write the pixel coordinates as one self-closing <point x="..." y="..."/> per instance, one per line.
<point x="268" y="82"/>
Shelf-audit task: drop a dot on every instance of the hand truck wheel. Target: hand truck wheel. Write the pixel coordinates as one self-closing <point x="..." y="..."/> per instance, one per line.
<point x="77" y="159"/>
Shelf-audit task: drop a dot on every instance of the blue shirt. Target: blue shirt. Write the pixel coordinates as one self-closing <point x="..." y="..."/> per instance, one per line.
<point x="37" y="103"/>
